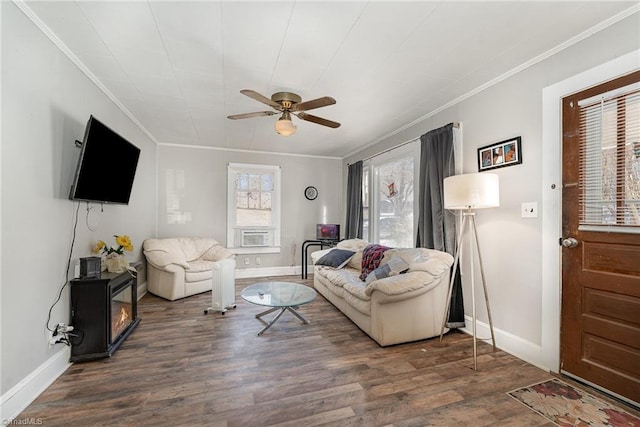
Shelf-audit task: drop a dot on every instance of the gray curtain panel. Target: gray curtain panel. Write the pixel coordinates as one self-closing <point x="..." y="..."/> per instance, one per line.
<point x="436" y="225"/>
<point x="354" y="221"/>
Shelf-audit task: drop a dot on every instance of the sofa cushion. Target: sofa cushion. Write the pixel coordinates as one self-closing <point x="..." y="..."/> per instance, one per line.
<point x="358" y="290"/>
<point x="338" y="291"/>
<point x="371" y="257"/>
<point x="200" y="266"/>
<point x="355" y="295"/>
<point x="356" y="245"/>
<point x="395" y="265"/>
<point x="340" y="277"/>
<point x="198" y="271"/>
<point x="402" y="283"/>
<point x="336" y="258"/>
<point x="431" y="261"/>
<point x="353" y="244"/>
<point x="197" y="276"/>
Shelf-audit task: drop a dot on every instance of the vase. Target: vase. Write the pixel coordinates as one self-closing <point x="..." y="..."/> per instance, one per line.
<point x="116" y="263"/>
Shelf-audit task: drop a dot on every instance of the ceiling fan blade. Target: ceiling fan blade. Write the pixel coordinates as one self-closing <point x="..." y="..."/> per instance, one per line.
<point x="314" y="103"/>
<point x="260" y="98"/>
<point x="318" y="120"/>
<point x="249" y="115"/>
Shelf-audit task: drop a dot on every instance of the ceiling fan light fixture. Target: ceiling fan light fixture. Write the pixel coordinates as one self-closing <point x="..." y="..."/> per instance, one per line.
<point x="288" y="103"/>
<point x="284" y="125"/>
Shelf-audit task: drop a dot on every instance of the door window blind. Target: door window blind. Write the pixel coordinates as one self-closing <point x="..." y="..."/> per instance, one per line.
<point x="609" y="158"/>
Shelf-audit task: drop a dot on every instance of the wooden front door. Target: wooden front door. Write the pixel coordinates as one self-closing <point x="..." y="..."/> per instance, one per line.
<point x="600" y="330"/>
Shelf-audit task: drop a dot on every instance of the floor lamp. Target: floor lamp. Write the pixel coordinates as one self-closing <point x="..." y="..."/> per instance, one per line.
<point x="466" y="193"/>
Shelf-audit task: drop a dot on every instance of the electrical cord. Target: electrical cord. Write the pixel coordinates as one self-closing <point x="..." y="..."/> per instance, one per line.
<point x="73" y="241"/>
<point x="86" y="218"/>
<point x="74" y="337"/>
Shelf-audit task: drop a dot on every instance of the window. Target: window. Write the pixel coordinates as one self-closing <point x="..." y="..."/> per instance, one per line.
<point x="610" y="159"/>
<point x="365" y="202"/>
<point x="388" y="197"/>
<point x="253" y="208"/>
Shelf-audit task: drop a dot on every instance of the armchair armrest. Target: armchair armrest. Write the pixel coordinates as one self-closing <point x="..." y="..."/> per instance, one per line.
<point x="162" y="259"/>
<point x="169" y="268"/>
<point x="217" y="253"/>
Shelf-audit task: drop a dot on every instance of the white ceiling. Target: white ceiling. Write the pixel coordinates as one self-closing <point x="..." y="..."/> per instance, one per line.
<point x="178" y="67"/>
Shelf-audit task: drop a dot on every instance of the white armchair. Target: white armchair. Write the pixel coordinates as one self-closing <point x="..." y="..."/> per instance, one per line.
<point x="183" y="266"/>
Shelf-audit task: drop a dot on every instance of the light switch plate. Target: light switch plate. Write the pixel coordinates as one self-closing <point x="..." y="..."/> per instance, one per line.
<point x="529" y="209"/>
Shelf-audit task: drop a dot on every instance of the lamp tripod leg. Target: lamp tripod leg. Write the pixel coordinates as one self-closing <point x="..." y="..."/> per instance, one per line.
<point x="484" y="284"/>
<point x="448" y="305"/>
<point x="456" y="262"/>
<point x="473" y="294"/>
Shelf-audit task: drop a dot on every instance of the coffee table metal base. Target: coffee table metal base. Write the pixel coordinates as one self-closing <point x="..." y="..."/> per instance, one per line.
<point x="277" y="316"/>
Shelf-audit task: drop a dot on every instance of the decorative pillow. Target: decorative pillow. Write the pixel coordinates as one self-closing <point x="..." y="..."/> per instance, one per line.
<point x="371" y="257"/>
<point x="356" y="261"/>
<point x="395" y="266"/>
<point x="336" y="258"/>
<point x="356" y="245"/>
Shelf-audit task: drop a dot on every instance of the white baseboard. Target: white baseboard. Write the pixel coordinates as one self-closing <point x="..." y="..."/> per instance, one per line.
<point x="512" y="344"/>
<point x="16" y="399"/>
<point x="245" y="273"/>
<point x="142" y="290"/>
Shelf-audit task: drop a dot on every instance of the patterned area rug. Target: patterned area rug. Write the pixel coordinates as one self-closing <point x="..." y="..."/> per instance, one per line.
<point x="565" y="405"/>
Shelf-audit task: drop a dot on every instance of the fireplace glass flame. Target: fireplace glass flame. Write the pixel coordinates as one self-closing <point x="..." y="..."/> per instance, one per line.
<point x="121" y="312"/>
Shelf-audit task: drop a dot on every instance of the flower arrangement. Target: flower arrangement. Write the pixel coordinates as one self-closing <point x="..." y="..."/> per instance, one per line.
<point x="113" y="257"/>
<point x="123" y="242"/>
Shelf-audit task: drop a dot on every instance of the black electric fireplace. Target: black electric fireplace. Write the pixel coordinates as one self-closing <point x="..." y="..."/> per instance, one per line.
<point x="103" y="314"/>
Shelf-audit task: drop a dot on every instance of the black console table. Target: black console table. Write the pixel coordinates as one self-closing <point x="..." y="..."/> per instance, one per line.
<point x="308" y="243"/>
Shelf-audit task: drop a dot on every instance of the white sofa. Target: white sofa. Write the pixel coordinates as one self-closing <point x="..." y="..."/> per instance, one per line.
<point x="392" y="310"/>
<point x="183" y="266"/>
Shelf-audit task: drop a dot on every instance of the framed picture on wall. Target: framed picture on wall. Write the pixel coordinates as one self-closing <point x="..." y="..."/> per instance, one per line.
<point x="500" y="154"/>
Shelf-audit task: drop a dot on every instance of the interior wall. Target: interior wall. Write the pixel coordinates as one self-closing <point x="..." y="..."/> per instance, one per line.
<point x="46" y="103"/>
<point x="193" y="182"/>
<point x="512" y="246"/>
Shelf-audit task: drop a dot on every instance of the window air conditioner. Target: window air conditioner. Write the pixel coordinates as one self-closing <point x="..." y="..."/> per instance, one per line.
<point x="255" y="238"/>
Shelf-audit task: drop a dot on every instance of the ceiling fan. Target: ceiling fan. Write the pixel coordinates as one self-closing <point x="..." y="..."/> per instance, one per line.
<point x="288" y="103"/>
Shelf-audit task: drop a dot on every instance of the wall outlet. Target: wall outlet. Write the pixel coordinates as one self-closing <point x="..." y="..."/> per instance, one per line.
<point x="60" y="335"/>
<point x="529" y="209"/>
<point x="246" y="260"/>
<point x="53" y="339"/>
<point x="258" y="260"/>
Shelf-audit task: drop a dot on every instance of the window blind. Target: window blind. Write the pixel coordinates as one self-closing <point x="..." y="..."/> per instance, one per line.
<point x="609" y="158"/>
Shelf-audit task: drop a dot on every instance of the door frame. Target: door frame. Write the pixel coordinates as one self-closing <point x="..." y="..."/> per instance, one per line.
<point x="552" y="196"/>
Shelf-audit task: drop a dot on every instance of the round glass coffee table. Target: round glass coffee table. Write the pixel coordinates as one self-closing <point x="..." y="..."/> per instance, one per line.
<point x="283" y="296"/>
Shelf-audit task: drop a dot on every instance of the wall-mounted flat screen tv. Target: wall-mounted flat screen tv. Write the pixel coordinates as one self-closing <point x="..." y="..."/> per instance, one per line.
<point x="106" y="167"/>
<point x="328" y="231"/>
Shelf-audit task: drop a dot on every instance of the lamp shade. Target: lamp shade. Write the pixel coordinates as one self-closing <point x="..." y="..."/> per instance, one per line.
<point x="284" y="125"/>
<point x="473" y="190"/>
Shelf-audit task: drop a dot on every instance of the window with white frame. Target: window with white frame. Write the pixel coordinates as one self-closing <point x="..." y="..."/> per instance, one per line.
<point x="253" y="208"/>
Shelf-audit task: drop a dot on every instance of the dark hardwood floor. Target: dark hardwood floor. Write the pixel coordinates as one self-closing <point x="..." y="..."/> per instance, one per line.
<point x="180" y="367"/>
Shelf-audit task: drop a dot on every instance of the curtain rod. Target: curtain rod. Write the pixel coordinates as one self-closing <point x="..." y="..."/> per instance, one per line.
<point x="455" y="125"/>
